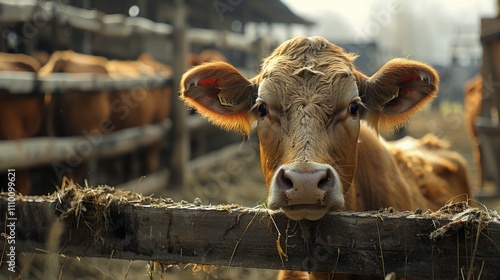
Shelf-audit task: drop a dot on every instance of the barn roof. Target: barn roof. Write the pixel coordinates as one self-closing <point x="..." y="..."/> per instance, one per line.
<point x="202" y="12"/>
<point x="210" y="14"/>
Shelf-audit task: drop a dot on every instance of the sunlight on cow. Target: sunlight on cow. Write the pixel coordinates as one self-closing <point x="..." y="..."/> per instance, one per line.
<point x="76" y="113"/>
<point x="21" y="115"/>
<point x="317" y="118"/>
<point x="140" y="105"/>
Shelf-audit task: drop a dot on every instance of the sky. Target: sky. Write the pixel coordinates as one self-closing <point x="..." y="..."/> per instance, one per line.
<point x="403" y="28"/>
<point x="357" y="13"/>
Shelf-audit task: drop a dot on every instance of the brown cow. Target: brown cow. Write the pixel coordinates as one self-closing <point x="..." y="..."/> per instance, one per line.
<point x="473" y="96"/>
<point x="316" y="118"/>
<point x="141" y="105"/>
<point x="440" y="174"/>
<point x="20" y="115"/>
<point x="199" y="137"/>
<point x="208" y="55"/>
<point x="76" y="113"/>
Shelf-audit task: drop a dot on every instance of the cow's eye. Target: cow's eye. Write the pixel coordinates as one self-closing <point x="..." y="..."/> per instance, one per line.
<point x="353" y="108"/>
<point x="262" y="109"/>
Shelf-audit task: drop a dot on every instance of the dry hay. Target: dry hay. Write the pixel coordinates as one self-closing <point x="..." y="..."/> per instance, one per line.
<point x="472" y="221"/>
<point x="73" y="202"/>
<point x="462" y="216"/>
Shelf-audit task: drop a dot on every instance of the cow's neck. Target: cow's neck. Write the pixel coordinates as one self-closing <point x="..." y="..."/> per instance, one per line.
<point x="378" y="182"/>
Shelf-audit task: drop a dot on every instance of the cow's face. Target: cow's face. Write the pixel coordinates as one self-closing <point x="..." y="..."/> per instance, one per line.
<point x="307" y="103"/>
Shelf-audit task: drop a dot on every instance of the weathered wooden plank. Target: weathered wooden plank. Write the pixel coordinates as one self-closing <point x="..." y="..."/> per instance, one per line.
<point x="102" y="223"/>
<point x="32" y="152"/>
<point x="221" y="39"/>
<point x="29" y="83"/>
<point x="44" y="150"/>
<point x="116" y="25"/>
<point x="489" y="137"/>
<point x="148" y="184"/>
<point x="179" y="148"/>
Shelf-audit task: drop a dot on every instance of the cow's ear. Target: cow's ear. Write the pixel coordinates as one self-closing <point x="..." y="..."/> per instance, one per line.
<point x="221" y="94"/>
<point x="397" y="91"/>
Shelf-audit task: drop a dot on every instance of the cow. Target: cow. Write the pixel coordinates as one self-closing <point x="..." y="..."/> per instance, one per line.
<point x="473" y="96"/>
<point x="21" y="115"/>
<point x="76" y="113"/>
<point x="141" y="105"/>
<point x="317" y="119"/>
<point x="199" y="136"/>
<point x="208" y="55"/>
<point x="440" y="174"/>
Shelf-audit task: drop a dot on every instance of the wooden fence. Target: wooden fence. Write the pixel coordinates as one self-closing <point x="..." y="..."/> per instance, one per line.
<point x="487" y="123"/>
<point x="457" y="242"/>
<point x="116" y="26"/>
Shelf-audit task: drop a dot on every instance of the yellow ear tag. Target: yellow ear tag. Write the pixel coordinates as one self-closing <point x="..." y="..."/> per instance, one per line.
<point x="225" y="101"/>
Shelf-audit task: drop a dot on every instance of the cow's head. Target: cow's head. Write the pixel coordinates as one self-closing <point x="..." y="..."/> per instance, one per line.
<point x="307" y="104"/>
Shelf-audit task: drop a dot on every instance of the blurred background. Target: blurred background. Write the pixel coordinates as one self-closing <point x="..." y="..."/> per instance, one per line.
<point x="88" y="92"/>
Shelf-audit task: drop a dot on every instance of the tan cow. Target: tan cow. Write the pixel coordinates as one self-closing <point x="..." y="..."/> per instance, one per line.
<point x="21" y="115"/>
<point x="141" y="105"/>
<point x="316" y="118"/>
<point x="76" y="113"/>
<point x="440" y="174"/>
<point x="473" y="96"/>
<point x="208" y="55"/>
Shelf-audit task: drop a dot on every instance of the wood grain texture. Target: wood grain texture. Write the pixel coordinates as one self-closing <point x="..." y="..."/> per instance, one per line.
<point x="366" y="243"/>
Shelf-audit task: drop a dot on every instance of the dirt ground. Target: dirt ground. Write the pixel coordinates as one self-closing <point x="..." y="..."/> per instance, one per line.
<point x="233" y="175"/>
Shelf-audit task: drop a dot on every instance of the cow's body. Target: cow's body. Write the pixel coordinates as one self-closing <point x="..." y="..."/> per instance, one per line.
<point x="96" y="114"/>
<point x="316" y="117"/>
<point x="208" y="55"/>
<point x="76" y="113"/>
<point x="21" y="115"/>
<point x="141" y="105"/>
<point x="473" y="96"/>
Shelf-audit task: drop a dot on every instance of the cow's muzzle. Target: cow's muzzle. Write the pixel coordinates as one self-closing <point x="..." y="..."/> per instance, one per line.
<point x="306" y="190"/>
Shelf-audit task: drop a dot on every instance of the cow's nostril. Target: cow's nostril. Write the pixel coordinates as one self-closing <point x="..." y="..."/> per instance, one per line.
<point x="322" y="179"/>
<point x="323" y="183"/>
<point x="327" y="181"/>
<point x="284" y="181"/>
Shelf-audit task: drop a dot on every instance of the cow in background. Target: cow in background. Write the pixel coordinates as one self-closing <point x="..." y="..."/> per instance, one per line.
<point x="317" y="118"/>
<point x="76" y="113"/>
<point x="140" y="106"/>
<point x="21" y="115"/>
<point x="473" y="96"/>
<point x="440" y="174"/>
<point x="208" y="55"/>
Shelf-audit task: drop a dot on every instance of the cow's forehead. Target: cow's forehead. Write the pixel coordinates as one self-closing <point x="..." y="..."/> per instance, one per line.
<point x="308" y="53"/>
<point x="305" y="68"/>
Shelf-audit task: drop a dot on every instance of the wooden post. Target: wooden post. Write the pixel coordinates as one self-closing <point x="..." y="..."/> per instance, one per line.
<point x="81" y="40"/>
<point x="179" y="155"/>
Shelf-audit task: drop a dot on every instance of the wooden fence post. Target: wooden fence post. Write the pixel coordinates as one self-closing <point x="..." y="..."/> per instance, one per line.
<point x="179" y="155"/>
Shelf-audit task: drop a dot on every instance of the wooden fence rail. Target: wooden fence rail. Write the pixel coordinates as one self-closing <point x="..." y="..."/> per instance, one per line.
<point x="39" y="151"/>
<point x="30" y="83"/>
<point x="106" y="223"/>
<point x="117" y="25"/>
